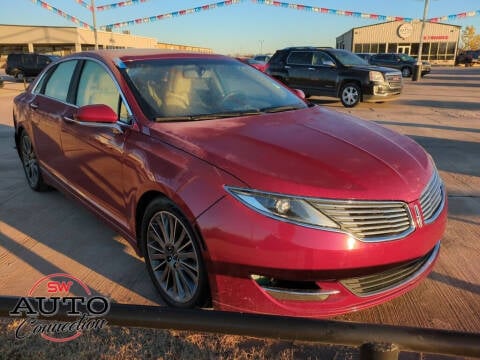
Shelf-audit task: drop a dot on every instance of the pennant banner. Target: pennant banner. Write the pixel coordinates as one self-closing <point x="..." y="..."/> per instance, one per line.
<point x="455" y="16"/>
<point x="170" y="15"/>
<point x="84" y="4"/>
<point x="332" y="11"/>
<point x="119" y="4"/>
<point x="63" y="14"/>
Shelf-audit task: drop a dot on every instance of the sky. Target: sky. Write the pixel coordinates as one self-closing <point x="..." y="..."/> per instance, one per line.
<point x="245" y="28"/>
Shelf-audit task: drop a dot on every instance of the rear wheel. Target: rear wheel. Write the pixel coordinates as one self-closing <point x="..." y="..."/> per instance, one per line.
<point x="173" y="256"/>
<point x="30" y="164"/>
<point x="406" y="72"/>
<point x="350" y="94"/>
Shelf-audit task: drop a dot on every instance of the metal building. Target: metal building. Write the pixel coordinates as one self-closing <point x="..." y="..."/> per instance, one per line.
<point x="440" y="41"/>
<point x="63" y="40"/>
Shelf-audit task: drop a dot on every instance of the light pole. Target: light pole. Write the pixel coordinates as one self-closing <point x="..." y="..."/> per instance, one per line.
<point x="261" y="46"/>
<point x="420" y="45"/>
<point x="94" y="17"/>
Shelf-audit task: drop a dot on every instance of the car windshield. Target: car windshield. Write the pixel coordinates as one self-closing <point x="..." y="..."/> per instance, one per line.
<point x="201" y="89"/>
<point x="347" y="58"/>
<point x="405" y="57"/>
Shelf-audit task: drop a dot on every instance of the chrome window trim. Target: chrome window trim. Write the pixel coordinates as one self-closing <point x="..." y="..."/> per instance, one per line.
<point x="105" y="67"/>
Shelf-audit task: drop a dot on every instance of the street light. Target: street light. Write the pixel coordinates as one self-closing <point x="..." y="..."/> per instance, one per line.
<point x="261" y="46"/>
<point x="420" y="45"/>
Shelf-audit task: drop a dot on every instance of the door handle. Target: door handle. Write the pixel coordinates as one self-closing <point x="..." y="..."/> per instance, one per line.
<point x="311" y="68"/>
<point x="68" y="119"/>
<point x="33" y="106"/>
<point x="286" y="67"/>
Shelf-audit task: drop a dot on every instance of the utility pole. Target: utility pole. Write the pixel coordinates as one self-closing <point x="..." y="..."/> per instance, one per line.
<point x="94" y="17"/>
<point x="420" y="45"/>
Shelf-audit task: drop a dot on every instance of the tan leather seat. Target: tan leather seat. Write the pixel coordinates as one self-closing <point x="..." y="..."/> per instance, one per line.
<point x="177" y="98"/>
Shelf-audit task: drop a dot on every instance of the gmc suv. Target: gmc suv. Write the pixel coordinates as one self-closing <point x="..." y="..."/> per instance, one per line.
<point x="334" y="72"/>
<point x="403" y="62"/>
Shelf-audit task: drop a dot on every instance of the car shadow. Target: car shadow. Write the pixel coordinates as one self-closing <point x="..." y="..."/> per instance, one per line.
<point x="452" y="281"/>
<point x="51" y="233"/>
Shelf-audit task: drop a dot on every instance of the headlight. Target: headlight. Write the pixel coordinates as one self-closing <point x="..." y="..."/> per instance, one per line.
<point x="283" y="207"/>
<point x="376" y="76"/>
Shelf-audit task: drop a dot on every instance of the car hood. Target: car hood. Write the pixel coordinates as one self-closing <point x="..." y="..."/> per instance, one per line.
<point x="375" y="68"/>
<point x="309" y="152"/>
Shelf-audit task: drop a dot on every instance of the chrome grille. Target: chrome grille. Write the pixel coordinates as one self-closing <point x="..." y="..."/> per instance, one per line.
<point x="369" y="220"/>
<point x="394" y="80"/>
<point x="432" y="199"/>
<point x="391" y="278"/>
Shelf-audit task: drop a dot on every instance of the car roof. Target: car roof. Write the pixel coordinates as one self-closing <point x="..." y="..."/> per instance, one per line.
<point x="143" y="54"/>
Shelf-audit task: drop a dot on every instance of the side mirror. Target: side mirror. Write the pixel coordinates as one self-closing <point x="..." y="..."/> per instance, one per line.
<point x="98" y="113"/>
<point x="299" y="93"/>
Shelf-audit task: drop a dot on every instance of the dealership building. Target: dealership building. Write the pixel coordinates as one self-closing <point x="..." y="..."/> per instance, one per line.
<point x="64" y="40"/>
<point x="440" y="41"/>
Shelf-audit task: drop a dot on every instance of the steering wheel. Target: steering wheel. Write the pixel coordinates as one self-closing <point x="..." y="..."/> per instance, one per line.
<point x="233" y="97"/>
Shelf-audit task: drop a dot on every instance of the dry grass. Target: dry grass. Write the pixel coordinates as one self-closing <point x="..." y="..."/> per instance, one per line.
<point x="127" y="343"/>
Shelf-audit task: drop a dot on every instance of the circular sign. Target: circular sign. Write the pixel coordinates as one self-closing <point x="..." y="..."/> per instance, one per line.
<point x="405" y="30"/>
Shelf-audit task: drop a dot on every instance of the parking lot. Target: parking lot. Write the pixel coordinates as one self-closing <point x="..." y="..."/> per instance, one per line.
<point x="44" y="233"/>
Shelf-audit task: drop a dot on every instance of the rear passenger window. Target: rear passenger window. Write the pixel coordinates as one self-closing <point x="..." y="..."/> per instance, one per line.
<point x="59" y="82"/>
<point x="300" y="58"/>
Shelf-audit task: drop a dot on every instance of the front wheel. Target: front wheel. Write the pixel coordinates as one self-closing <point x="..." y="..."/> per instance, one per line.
<point x="172" y="255"/>
<point x="30" y="164"/>
<point x="350" y="95"/>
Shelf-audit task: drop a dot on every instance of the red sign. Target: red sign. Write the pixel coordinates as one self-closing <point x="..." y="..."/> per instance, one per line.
<point x="435" y="37"/>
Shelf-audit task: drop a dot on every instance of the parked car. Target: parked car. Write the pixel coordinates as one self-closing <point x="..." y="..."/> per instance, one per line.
<point x="259" y="65"/>
<point x="334" y="72"/>
<point x="230" y="185"/>
<point x="468" y="58"/>
<point x="263" y="58"/>
<point x="365" y="56"/>
<point x="403" y="62"/>
<point x="27" y="65"/>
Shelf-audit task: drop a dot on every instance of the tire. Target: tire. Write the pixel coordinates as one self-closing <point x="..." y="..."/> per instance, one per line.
<point x="30" y="164"/>
<point x="350" y="95"/>
<point x="406" y="71"/>
<point x="173" y="256"/>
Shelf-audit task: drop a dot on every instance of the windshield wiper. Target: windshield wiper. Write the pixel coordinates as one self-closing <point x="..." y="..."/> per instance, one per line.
<point x="276" y="109"/>
<point x="221" y="115"/>
<point x="173" y="118"/>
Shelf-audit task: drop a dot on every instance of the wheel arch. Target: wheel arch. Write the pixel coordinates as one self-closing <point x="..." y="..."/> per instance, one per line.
<point x="145" y="199"/>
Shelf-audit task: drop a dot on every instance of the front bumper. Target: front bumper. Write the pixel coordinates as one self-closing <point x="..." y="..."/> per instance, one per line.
<point x="382" y="91"/>
<point x="257" y="264"/>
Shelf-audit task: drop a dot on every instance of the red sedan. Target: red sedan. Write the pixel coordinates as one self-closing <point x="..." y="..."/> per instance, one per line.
<point x="233" y="188"/>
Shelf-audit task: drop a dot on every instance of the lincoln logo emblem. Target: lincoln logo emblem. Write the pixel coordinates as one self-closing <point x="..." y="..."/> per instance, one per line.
<point x="418" y="216"/>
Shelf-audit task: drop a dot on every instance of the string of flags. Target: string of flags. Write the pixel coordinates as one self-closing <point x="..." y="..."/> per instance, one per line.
<point x="455" y="16"/>
<point x="332" y="11"/>
<point x="280" y="4"/>
<point x="119" y="4"/>
<point x="173" y="14"/>
<point x="84" y="4"/>
<point x="62" y="13"/>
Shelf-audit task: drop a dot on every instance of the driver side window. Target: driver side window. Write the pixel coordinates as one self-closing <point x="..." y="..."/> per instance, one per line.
<point x="96" y="86"/>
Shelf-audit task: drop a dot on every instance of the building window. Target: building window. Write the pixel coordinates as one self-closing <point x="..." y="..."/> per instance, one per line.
<point x="382" y="48"/>
<point x="358" y="48"/>
<point x="392" y="48"/>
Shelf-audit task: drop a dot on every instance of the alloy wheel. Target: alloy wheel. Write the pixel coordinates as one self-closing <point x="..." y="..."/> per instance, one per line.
<point x="350" y="96"/>
<point x="30" y="163"/>
<point x="173" y="257"/>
